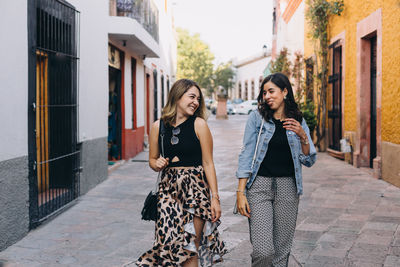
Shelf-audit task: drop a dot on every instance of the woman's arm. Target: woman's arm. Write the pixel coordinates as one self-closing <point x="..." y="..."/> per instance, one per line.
<point x="309" y="154"/>
<point x="156" y="162"/>
<point x="206" y="143"/>
<point x="241" y="200"/>
<point x="308" y="159"/>
<point x="249" y="144"/>
<point x="244" y="166"/>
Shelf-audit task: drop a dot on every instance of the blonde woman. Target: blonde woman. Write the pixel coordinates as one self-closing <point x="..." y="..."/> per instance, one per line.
<point x="188" y="206"/>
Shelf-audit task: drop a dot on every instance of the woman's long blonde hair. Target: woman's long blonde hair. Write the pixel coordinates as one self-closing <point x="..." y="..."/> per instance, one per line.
<point x="179" y="88"/>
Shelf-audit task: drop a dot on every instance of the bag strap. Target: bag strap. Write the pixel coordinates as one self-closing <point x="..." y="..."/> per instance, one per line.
<point x="258" y="141"/>
<point x="161" y="133"/>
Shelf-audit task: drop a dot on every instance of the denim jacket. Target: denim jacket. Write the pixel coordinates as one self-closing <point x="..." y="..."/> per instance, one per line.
<point x="249" y="144"/>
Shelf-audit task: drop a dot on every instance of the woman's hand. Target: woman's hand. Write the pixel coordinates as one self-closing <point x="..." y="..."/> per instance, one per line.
<point x="215" y="209"/>
<point x="295" y="126"/>
<point x="242" y="204"/>
<point x="161" y="163"/>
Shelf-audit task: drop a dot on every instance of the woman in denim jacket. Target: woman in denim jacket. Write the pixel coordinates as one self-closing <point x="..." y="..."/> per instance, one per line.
<point x="276" y="142"/>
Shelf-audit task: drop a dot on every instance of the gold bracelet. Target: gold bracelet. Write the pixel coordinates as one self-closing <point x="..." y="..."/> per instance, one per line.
<point x="240" y="191"/>
<point x="304" y="141"/>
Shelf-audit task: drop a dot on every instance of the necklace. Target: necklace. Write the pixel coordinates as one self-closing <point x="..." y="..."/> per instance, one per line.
<point x="280" y="119"/>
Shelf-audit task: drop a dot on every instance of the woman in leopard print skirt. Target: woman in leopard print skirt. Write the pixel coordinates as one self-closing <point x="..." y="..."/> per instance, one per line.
<point x="188" y="206"/>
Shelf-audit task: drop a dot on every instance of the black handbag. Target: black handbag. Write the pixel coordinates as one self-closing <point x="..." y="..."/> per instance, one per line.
<point x="149" y="211"/>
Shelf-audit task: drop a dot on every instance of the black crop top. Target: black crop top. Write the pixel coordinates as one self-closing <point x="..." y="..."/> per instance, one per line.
<point x="187" y="150"/>
<point x="278" y="160"/>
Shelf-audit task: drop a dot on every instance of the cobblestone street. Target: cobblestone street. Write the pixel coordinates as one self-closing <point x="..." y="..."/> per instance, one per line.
<point x="346" y="217"/>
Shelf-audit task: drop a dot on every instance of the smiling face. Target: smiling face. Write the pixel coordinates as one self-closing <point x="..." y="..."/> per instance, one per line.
<point x="274" y="96"/>
<point x="189" y="102"/>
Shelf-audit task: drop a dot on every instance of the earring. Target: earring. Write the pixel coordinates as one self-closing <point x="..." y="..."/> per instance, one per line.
<point x="284" y="97"/>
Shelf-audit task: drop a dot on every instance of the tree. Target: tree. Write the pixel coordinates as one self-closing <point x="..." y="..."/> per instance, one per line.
<point x="194" y="59"/>
<point x="223" y="76"/>
<point x="317" y="15"/>
<point x="282" y="63"/>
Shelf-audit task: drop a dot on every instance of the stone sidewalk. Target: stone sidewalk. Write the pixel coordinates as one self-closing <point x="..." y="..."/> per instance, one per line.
<point x="346" y="217"/>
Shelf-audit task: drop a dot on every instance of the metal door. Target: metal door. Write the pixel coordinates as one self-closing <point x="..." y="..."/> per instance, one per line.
<point x="53" y="96"/>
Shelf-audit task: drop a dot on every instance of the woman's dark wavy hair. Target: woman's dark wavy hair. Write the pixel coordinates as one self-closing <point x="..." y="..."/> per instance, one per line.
<point x="291" y="108"/>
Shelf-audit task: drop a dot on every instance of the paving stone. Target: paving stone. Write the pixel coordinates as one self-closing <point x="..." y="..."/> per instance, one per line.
<point x="318" y="261"/>
<point x="396" y="242"/>
<point x="338" y="237"/>
<point x="374" y="239"/>
<point x="380" y="226"/>
<point x="320" y="220"/>
<point x="368" y="252"/>
<point x="354" y="217"/>
<point x="301" y="250"/>
<point x="395" y="251"/>
<point x="312" y="227"/>
<point x="362" y="264"/>
<point x="349" y="224"/>
<point x="307" y="235"/>
<point x="330" y="252"/>
<point x="392" y="261"/>
<point x="385" y="219"/>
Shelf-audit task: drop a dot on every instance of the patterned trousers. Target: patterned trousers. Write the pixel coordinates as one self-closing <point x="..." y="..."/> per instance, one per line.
<point x="274" y="204"/>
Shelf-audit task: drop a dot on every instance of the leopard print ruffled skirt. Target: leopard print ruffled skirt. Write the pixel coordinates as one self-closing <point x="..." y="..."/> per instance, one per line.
<point x="183" y="194"/>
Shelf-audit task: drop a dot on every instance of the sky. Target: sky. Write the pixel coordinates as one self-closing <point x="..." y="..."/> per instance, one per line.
<point x="232" y="28"/>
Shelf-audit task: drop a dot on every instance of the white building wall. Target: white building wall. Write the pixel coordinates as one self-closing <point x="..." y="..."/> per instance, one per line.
<point x="93" y="71"/>
<point x="14" y="79"/>
<point x="249" y="72"/>
<point x="291" y="34"/>
<point x="140" y="93"/>
<point x="168" y="50"/>
<point x="128" y="91"/>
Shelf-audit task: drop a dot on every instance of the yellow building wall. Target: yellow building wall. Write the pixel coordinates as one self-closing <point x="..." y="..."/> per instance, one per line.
<point x="355" y="11"/>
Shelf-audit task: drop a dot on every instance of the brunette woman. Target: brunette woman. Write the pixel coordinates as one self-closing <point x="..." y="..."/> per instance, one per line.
<point x="276" y="143"/>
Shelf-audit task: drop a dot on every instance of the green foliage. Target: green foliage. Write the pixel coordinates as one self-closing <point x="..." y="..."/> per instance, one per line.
<point x="297" y="74"/>
<point x="281" y="63"/>
<point x="194" y="59"/>
<point x="306" y="105"/>
<point x="223" y="76"/>
<point x="308" y="108"/>
<point x="317" y="15"/>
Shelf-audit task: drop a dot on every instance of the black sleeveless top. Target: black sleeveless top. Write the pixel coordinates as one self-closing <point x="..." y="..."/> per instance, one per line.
<point x="278" y="160"/>
<point x="187" y="150"/>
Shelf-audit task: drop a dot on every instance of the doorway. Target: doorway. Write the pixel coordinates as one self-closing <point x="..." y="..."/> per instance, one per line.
<point x="373" y="115"/>
<point x="162" y="91"/>
<point x="54" y="152"/>
<point x="114" y="114"/>
<point x="155" y="117"/>
<point x="335" y="112"/>
<point x="148" y="103"/>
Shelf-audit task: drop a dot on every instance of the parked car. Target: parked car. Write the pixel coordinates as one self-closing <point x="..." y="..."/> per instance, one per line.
<point x="230" y="108"/>
<point x="246" y="107"/>
<point x="237" y="101"/>
<point x="209" y="102"/>
<point x="213" y="107"/>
